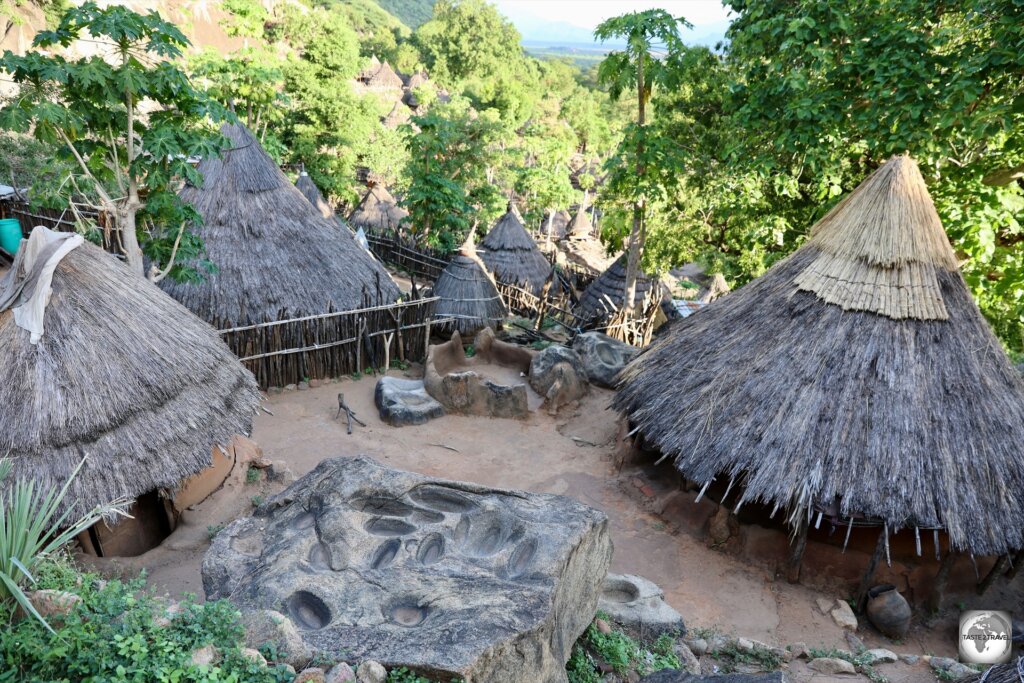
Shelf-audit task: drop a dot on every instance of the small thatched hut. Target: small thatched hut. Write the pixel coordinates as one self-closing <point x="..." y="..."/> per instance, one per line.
<point x="398" y="115"/>
<point x="583" y="249"/>
<point x="123" y="376"/>
<point x="277" y="257"/>
<point x="856" y="379"/>
<point x="312" y="194"/>
<point x="512" y="256"/>
<point x="559" y="224"/>
<point x="607" y="293"/>
<point x="377" y="212"/>
<point x="384" y="78"/>
<point x="467" y="293"/>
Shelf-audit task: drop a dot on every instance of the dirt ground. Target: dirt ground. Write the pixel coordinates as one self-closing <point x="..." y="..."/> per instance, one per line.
<point x="575" y="454"/>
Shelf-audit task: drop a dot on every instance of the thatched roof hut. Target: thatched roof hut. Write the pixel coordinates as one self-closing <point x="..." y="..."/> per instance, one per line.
<point x="559" y="224"/>
<point x="377" y="211"/>
<point x="607" y="293"/>
<point x="855" y="378"/>
<point x="580" y="227"/>
<point x="510" y="253"/>
<point x="582" y="247"/>
<point x="312" y="194"/>
<point x="123" y="375"/>
<point x="276" y="256"/>
<point x="384" y="78"/>
<point x="467" y="293"/>
<point x="398" y="115"/>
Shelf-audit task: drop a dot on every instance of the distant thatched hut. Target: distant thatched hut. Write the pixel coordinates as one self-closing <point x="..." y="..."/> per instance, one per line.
<point x="384" y="79"/>
<point x="125" y="377"/>
<point x="559" y="224"/>
<point x="467" y="293"/>
<point x="856" y="379"/>
<point x="606" y="294"/>
<point x="583" y="249"/>
<point x="512" y="256"/>
<point x="277" y="257"/>
<point x="312" y="194"/>
<point x="377" y="212"/>
<point x="398" y="115"/>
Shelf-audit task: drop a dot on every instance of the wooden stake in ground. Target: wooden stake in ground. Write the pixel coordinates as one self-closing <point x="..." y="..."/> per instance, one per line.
<point x="869" y="573"/>
<point x="349" y="414"/>
<point x="796" y="555"/>
<point x="941" y="578"/>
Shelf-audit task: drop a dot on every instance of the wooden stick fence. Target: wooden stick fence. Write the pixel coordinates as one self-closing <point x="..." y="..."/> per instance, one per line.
<point x="422" y="263"/>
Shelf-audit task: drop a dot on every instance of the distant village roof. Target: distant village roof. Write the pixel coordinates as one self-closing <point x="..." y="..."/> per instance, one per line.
<point x="384" y="78"/>
<point x="377" y="211"/>
<point x="511" y="254"/>
<point x="398" y="115"/>
<point x="312" y="194"/>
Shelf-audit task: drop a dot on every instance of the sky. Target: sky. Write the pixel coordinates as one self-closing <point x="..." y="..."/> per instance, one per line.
<point x="575" y="19"/>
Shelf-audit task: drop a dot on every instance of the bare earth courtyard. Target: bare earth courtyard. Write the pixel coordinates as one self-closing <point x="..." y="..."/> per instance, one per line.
<point x="577" y="454"/>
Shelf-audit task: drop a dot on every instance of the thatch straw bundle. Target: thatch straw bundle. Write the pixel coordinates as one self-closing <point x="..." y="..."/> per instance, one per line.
<point x="606" y="294"/>
<point x="377" y="212"/>
<point x="886" y="397"/>
<point x="277" y="258"/>
<point x="312" y="194"/>
<point x="124" y="375"/>
<point x="510" y="253"/>
<point x="467" y="293"/>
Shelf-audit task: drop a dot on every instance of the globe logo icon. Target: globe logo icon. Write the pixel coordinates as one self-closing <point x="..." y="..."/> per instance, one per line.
<point x="985" y="637"/>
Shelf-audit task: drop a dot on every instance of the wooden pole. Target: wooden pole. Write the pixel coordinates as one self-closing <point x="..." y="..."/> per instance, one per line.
<point x="1018" y="559"/>
<point x="941" y="579"/>
<point x="998" y="568"/>
<point x="796" y="555"/>
<point x="869" y="573"/>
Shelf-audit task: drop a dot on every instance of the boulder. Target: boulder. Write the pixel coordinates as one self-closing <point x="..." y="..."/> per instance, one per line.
<point x="449" y="579"/>
<point x="311" y="675"/>
<point x="254" y="654"/>
<point x="371" y="672"/>
<point x="268" y="627"/>
<point x="688" y="661"/>
<point x="832" y="666"/>
<point x="341" y="673"/>
<point x="603" y="357"/>
<point x="402" y="402"/>
<point x="880" y="655"/>
<point x="639" y="605"/>
<point x="52" y="605"/>
<point x="204" y="656"/>
<point x="557" y="374"/>
<point x="680" y="676"/>
<point x="843" y="615"/>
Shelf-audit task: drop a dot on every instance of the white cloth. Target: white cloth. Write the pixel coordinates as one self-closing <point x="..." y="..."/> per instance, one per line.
<point x="360" y="238"/>
<point x="29" y="314"/>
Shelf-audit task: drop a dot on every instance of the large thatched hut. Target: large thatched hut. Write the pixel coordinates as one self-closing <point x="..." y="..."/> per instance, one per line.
<point x="855" y="380"/>
<point x="122" y="376"/>
<point x="312" y="194"/>
<point x="466" y="293"/>
<point x="276" y="257"/>
<point x="377" y="212"/>
<point x="512" y="256"/>
<point x="607" y="293"/>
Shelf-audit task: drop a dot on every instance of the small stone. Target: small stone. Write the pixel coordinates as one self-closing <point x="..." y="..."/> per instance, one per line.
<point x="825" y="604"/>
<point x="602" y="626"/>
<point x="289" y="387"/>
<point x="717" y="642"/>
<point x="204" y="656"/>
<point x="289" y="668"/>
<point x="303" y="386"/>
<point x="844" y="616"/>
<point x="341" y="673"/>
<point x="941" y="663"/>
<point x="744" y="645"/>
<point x="800" y="651"/>
<point x="311" y="675"/>
<point x="51" y="604"/>
<point x="371" y="672"/>
<point x="880" y="655"/>
<point x="263" y="627"/>
<point x="832" y="666"/>
<point x="698" y="646"/>
<point x="856" y="644"/>
<point x="782" y="653"/>
<point x="910" y="659"/>
<point x="688" y="661"/>
<point x="953" y="669"/>
<point x="315" y="383"/>
<point x="254" y="655"/>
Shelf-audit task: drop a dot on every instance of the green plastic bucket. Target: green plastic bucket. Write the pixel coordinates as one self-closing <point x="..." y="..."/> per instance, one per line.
<point x="10" y="235"/>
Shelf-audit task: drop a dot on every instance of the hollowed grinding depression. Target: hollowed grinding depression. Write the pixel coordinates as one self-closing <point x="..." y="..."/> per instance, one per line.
<point x="521" y="559"/>
<point x="620" y="591"/>
<point x="431" y="549"/>
<point x="406" y="612"/>
<point x="308" y="611"/>
<point x="383" y="506"/>
<point x="385" y="553"/>
<point x="388" y="526"/>
<point x="442" y="498"/>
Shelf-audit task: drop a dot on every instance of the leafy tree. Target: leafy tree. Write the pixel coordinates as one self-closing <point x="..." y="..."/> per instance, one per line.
<point x="452" y="158"/>
<point x="130" y="162"/>
<point x="543" y="172"/>
<point x="250" y="80"/>
<point x="413" y="13"/>
<point x="245" y="18"/>
<point x="645" y="165"/>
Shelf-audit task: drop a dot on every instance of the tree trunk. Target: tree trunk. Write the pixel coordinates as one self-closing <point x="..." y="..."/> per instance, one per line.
<point x="127" y="210"/>
<point x="551" y="222"/>
<point x="636" y="235"/>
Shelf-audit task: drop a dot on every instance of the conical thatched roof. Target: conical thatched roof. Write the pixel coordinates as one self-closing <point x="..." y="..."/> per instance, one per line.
<point x="467" y="293"/>
<point x="607" y="292"/>
<point x="378" y="211"/>
<point x="384" y="78"/>
<point x="582" y="248"/>
<point x="124" y="375"/>
<point x="276" y="256"/>
<point x="510" y="253"/>
<point x="580" y="227"/>
<point x="398" y="115"/>
<point x="559" y="224"/>
<point x="312" y="194"/>
<point x="857" y="377"/>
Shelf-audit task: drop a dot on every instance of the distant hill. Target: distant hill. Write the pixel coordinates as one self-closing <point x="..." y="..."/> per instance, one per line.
<point x="412" y="13"/>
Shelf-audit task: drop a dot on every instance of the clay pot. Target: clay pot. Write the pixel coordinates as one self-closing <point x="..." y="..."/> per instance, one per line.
<point x="888" y="610"/>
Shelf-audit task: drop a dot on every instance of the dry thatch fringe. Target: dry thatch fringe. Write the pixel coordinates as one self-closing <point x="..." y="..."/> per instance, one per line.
<point x="906" y="422"/>
<point x="125" y="375"/>
<point x="880" y="248"/>
<point x="1010" y="672"/>
<point x="276" y="256"/>
<point x="512" y="256"/>
<point x="467" y="294"/>
<point x="607" y="293"/>
<point x="312" y="194"/>
<point x="377" y="212"/>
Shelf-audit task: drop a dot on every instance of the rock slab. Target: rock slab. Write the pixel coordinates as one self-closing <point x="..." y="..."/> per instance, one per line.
<point x="445" y="578"/>
<point x="832" y="666"/>
<point x="639" y="605"/>
<point x="402" y="402"/>
<point x="557" y="374"/>
<point x="603" y="357"/>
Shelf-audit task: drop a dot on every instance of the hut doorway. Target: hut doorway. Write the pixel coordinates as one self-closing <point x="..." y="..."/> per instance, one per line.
<point x="151" y="521"/>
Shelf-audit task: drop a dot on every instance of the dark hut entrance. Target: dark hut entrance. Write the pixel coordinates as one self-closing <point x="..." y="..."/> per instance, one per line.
<point x="152" y="520"/>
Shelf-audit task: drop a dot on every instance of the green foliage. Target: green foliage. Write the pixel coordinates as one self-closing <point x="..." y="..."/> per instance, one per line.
<point x="252" y="475"/>
<point x="32" y="529"/>
<point x="213" y="529"/>
<point x="251" y="80"/>
<point x="619" y="651"/>
<point x="730" y="657"/>
<point x="412" y="13"/>
<point x="244" y="18"/>
<point x="113" y="636"/>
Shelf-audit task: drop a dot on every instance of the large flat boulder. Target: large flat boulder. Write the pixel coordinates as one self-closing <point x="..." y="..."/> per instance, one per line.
<point x="446" y="578"/>
<point x="603" y="357"/>
<point x="402" y="402"/>
<point x="557" y="374"/>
